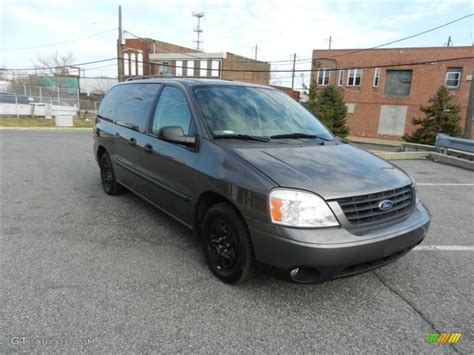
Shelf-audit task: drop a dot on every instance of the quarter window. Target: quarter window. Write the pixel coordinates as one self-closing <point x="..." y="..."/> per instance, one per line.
<point x="323" y="77"/>
<point x="376" y="78"/>
<point x="453" y="78"/>
<point x="354" y="77"/>
<point x="172" y="110"/>
<point x="129" y="105"/>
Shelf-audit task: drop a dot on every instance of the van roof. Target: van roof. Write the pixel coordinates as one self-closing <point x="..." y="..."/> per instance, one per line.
<point x="191" y="81"/>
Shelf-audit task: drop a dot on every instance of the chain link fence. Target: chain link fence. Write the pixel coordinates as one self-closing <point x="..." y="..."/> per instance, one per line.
<point x="85" y="106"/>
<point x="41" y="94"/>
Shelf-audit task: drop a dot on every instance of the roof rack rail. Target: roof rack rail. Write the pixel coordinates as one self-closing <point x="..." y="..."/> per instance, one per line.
<point x="139" y="77"/>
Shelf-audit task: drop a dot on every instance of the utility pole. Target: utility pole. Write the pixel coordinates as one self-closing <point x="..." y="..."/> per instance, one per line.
<point x="450" y="42"/>
<point x="198" y="29"/>
<point x="469" y="110"/>
<point x="293" y="72"/>
<point x="330" y="42"/>
<point x="256" y="50"/>
<point x="119" y="46"/>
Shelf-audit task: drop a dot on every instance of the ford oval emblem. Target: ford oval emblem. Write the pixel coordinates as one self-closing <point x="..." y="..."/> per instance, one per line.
<point x="385" y="205"/>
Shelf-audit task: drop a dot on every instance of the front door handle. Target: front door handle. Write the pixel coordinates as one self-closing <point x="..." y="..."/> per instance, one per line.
<point x="132" y="141"/>
<point x="148" y="148"/>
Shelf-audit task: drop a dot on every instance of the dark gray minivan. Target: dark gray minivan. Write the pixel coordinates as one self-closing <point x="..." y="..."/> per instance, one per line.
<point x="258" y="178"/>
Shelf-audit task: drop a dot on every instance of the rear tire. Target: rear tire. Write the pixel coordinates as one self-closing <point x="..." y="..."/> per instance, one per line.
<point x="227" y="245"/>
<point x="107" y="176"/>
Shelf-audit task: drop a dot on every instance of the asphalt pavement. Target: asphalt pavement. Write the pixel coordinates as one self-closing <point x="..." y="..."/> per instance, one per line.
<point x="84" y="271"/>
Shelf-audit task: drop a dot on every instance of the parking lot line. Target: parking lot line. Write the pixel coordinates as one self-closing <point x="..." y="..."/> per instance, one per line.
<point x="442" y="184"/>
<point x="445" y="247"/>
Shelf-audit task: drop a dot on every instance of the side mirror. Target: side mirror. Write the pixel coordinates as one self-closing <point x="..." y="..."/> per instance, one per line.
<point x="175" y="134"/>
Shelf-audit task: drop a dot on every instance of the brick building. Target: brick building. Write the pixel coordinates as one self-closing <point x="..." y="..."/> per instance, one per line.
<point x="381" y="95"/>
<point x="145" y="56"/>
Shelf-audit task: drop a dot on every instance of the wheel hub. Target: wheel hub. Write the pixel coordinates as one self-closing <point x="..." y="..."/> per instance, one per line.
<point x="221" y="245"/>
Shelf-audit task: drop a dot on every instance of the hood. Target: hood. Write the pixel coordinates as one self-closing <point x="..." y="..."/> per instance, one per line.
<point x="332" y="171"/>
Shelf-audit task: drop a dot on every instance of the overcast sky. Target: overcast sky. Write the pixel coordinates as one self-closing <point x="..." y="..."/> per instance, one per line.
<point x="279" y="28"/>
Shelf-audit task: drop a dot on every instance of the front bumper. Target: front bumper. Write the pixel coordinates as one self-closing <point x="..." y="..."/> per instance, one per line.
<point x="330" y="253"/>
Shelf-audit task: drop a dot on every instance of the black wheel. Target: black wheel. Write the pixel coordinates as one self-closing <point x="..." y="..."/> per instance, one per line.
<point x="107" y="175"/>
<point x="227" y="244"/>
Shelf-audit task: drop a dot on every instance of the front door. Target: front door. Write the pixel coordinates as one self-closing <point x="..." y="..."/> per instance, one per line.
<point x="170" y="166"/>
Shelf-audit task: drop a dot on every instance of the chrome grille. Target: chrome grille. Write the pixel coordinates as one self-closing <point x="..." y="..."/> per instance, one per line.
<point x="365" y="208"/>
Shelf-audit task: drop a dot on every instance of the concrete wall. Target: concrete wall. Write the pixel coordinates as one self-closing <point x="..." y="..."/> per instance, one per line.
<point x="368" y="100"/>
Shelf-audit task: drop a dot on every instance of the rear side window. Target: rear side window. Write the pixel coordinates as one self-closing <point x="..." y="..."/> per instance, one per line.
<point x="129" y="105"/>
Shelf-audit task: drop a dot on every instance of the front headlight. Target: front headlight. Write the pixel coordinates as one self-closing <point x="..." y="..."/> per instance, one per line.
<point x="296" y="208"/>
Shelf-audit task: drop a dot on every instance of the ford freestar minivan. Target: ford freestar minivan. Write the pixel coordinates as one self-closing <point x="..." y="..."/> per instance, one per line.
<point x="258" y="178"/>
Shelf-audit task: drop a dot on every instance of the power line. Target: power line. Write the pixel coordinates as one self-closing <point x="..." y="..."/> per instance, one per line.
<point x="58" y="43"/>
<point x="408" y="37"/>
<point x="431" y="61"/>
<point x="396" y="41"/>
<point x="59" y="66"/>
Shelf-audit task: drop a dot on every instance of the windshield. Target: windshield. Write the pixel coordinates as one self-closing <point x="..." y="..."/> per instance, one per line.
<point x="245" y="110"/>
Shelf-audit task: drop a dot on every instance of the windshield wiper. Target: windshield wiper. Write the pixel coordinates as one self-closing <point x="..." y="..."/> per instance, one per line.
<point x="297" y="135"/>
<point x="242" y="137"/>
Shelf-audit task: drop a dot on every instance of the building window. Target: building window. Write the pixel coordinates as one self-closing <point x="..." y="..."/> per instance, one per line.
<point x="376" y="78"/>
<point x="340" y="78"/>
<point x="140" y="63"/>
<point x="163" y="67"/>
<point x="215" y="69"/>
<point x="190" y="68"/>
<point x="203" y="69"/>
<point x="453" y="78"/>
<point x="354" y="77"/>
<point x="133" y="64"/>
<point x="126" y="64"/>
<point x="398" y="82"/>
<point x="179" y="68"/>
<point x="323" y="76"/>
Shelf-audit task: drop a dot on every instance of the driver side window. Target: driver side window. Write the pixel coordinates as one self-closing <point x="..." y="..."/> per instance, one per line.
<point x="172" y="110"/>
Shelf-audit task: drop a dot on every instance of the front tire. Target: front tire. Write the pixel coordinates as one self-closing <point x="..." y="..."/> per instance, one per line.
<point x="107" y="176"/>
<point x="227" y="245"/>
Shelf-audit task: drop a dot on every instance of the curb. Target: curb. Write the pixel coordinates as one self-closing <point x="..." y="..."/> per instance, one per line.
<point x="374" y="141"/>
<point x="435" y="157"/>
<point x="401" y="155"/>
<point x="450" y="160"/>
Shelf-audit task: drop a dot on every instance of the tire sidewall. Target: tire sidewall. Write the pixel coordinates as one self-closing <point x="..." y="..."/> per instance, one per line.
<point x="108" y="188"/>
<point x="227" y="214"/>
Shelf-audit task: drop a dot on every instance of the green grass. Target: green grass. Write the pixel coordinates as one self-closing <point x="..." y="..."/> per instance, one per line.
<point x="80" y="123"/>
<point x="39" y="122"/>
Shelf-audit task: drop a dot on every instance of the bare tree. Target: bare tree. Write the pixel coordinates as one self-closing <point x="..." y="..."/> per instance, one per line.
<point x="101" y="85"/>
<point x="57" y="65"/>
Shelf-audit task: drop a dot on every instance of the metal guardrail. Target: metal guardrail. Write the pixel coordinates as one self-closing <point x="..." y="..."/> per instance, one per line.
<point x="445" y="142"/>
<point x="417" y="147"/>
<point x="460" y="154"/>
